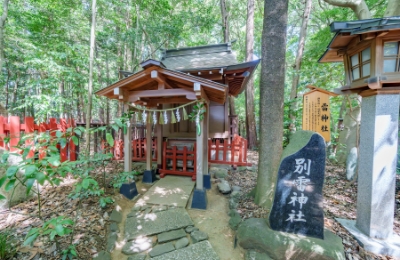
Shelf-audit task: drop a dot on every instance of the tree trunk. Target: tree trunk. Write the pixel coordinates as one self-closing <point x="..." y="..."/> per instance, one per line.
<point x="297" y="66"/>
<point x="61" y="93"/>
<point x="225" y="20"/>
<point x="90" y="86"/>
<point x="15" y="91"/>
<point x="393" y="8"/>
<point x="359" y="7"/>
<point x="225" y="31"/>
<point x="108" y="82"/>
<point x="3" y="19"/>
<point x="272" y="86"/>
<point x="251" y="130"/>
<point x="6" y="87"/>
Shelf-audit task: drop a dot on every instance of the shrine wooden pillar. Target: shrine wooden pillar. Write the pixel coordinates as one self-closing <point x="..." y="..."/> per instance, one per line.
<point x="159" y="133"/>
<point x="127" y="144"/>
<point x="199" y="200"/>
<point x="159" y="130"/>
<point x="149" y="175"/>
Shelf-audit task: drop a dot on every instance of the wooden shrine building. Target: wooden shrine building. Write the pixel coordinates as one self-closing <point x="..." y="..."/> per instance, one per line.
<point x="370" y="51"/>
<point x="207" y="74"/>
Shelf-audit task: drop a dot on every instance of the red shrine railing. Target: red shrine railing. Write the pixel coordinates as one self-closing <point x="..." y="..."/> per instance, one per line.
<point x="139" y="149"/>
<point x="180" y="161"/>
<point x="234" y="154"/>
<point x="12" y="128"/>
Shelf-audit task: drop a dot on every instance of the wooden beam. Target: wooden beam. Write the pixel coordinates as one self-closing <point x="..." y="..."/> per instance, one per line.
<point x="383" y="33"/>
<point x="134" y="95"/>
<point x="171" y="100"/>
<point x="143" y="83"/>
<point x="122" y="94"/>
<point x="200" y="93"/>
<point x="159" y="78"/>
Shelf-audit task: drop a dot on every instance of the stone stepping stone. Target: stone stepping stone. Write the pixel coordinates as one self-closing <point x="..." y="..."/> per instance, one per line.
<point x="171" y="235"/>
<point x="156" y="223"/>
<point x="116" y="216"/>
<point x="137" y="257"/>
<point x="113" y="228"/>
<point x="191" y="229"/>
<point x="181" y="243"/>
<point x="162" y="249"/>
<point x="224" y="187"/>
<point x="103" y="256"/>
<point x="111" y="241"/>
<point x="137" y="246"/>
<point x="198" y="251"/>
<point x="198" y="236"/>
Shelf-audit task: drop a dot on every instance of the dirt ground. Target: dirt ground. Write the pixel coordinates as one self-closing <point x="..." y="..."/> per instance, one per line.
<point x="214" y="221"/>
<point x="91" y="221"/>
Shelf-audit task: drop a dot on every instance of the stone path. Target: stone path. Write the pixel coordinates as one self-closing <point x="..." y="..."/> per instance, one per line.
<point x="170" y="191"/>
<point x="163" y="229"/>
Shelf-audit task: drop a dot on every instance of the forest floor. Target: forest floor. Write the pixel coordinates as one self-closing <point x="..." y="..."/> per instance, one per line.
<point x="91" y="220"/>
<point x="340" y="201"/>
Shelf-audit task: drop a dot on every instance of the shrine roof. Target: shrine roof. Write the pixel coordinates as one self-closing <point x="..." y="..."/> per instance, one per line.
<point x="199" y="57"/>
<point x="346" y="31"/>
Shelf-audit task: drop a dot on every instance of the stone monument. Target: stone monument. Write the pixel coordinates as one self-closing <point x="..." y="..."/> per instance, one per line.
<point x="298" y="202"/>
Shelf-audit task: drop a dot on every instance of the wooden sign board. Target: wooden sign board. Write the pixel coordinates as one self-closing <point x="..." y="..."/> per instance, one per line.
<point x="316" y="112"/>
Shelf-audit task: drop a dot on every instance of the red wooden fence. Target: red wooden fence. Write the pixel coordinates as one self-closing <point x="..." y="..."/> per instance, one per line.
<point x="234" y="154"/>
<point x="177" y="162"/>
<point x="13" y="128"/>
<point x="139" y="149"/>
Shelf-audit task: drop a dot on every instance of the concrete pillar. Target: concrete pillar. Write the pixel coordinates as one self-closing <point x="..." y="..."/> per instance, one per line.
<point x="373" y="228"/>
<point x="128" y="144"/>
<point x="377" y="165"/>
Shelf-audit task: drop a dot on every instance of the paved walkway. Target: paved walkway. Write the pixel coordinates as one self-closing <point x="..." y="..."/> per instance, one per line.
<point x="159" y="227"/>
<point x="169" y="191"/>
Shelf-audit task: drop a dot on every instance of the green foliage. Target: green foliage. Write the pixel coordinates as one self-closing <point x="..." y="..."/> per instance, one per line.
<point x="52" y="228"/>
<point x="69" y="253"/>
<point x="7" y="249"/>
<point x="123" y="177"/>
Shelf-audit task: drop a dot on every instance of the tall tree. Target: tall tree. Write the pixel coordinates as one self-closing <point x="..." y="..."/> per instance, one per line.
<point x="393" y="8"/>
<point x="272" y="82"/>
<point x="225" y="31"/>
<point x="91" y="64"/>
<point x="251" y="130"/>
<point x="3" y="19"/>
<point x="359" y="7"/>
<point x="297" y="64"/>
<point x="225" y="20"/>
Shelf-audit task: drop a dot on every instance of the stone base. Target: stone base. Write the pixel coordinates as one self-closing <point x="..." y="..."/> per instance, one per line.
<point x="129" y="190"/>
<point x="149" y="176"/>
<point x="199" y="200"/>
<point x="255" y="234"/>
<point x="390" y="247"/>
<point x="207" y="181"/>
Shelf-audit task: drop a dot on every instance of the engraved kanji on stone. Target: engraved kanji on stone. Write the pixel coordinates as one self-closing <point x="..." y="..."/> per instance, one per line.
<point x="301" y="200"/>
<point x="293" y="215"/>
<point x="302" y="166"/>
<point x="301" y="183"/>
